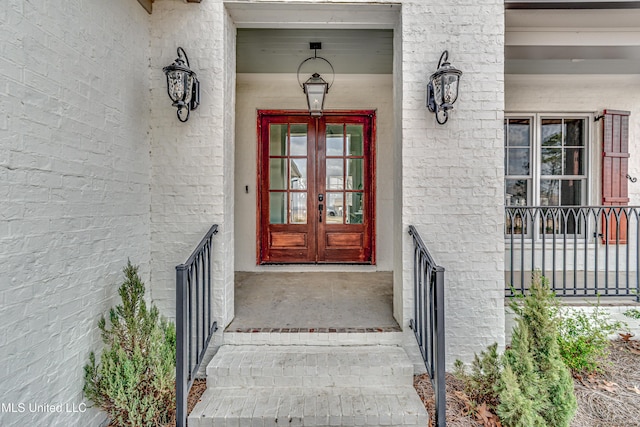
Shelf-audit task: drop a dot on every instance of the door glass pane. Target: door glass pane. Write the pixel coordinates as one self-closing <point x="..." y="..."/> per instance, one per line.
<point x="355" y="213"/>
<point x="335" y="140"/>
<point x="335" y="174"/>
<point x="549" y="192"/>
<point x="298" y="174"/>
<point x="355" y="174"/>
<point x="551" y="132"/>
<point x="278" y="174"/>
<point x="354" y="140"/>
<point x="299" y="140"/>
<point x="277" y="208"/>
<point x="298" y="203"/>
<point x="335" y="208"/>
<point x="518" y="161"/>
<point x="278" y="140"/>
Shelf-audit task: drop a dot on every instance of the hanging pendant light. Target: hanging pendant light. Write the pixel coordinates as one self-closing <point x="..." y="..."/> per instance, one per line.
<point x="315" y="88"/>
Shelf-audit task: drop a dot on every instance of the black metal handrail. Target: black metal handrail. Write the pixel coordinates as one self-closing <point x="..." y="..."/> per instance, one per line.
<point x="193" y="314"/>
<point x="584" y="251"/>
<point x="428" y="319"/>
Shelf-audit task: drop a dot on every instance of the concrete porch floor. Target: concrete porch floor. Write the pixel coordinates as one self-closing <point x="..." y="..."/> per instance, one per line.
<point x="314" y="300"/>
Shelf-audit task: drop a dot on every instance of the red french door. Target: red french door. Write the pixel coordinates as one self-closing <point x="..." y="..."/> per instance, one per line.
<point x="316" y="180"/>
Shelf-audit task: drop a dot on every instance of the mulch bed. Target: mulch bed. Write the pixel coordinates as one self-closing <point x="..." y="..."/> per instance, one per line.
<point x="610" y="399"/>
<point x="197" y="390"/>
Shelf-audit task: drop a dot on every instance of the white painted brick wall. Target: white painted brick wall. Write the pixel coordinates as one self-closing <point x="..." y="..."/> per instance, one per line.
<point x="192" y="162"/>
<point x="452" y="189"/>
<point x="74" y="190"/>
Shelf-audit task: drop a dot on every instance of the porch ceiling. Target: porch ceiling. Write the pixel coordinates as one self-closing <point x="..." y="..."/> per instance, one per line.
<point x="365" y="51"/>
<point x="572" y="41"/>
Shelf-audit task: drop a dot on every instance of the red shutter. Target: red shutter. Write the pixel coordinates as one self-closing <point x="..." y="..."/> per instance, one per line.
<point x="615" y="167"/>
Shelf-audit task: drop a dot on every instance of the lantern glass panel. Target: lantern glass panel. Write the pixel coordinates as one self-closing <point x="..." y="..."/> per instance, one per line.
<point x="189" y="90"/>
<point x="437" y="90"/>
<point x="176" y="83"/>
<point x="450" y="85"/>
<point x="315" y="97"/>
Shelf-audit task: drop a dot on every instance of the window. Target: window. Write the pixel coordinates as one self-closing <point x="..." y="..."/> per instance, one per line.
<point x="518" y="138"/>
<point x="545" y="161"/>
<point x="545" y="165"/>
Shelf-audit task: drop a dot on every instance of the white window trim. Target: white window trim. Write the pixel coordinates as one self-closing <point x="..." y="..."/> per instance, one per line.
<point x="591" y="173"/>
<point x="591" y="147"/>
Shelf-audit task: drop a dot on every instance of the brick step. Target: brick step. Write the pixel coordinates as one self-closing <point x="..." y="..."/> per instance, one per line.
<point x="309" y="366"/>
<point x="315" y="338"/>
<point x="323" y="406"/>
<point x="296" y="385"/>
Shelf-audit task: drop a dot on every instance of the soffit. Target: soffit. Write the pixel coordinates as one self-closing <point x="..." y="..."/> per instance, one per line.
<point x="572" y="41"/>
<point x="364" y="51"/>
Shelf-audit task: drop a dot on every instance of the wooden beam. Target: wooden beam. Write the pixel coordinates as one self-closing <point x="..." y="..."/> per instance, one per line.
<point x="146" y="4"/>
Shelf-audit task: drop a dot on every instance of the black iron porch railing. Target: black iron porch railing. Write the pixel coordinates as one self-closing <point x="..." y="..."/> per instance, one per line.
<point x="584" y="251"/>
<point x="195" y="324"/>
<point x="428" y="319"/>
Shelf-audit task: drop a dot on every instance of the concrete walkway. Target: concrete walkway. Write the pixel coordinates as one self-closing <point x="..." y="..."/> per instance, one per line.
<point x="335" y="300"/>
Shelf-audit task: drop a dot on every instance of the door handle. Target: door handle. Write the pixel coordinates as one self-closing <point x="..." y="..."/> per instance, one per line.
<point x="320" y="208"/>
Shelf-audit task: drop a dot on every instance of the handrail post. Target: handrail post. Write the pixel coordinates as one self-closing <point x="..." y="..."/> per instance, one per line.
<point x="182" y="378"/>
<point x="439" y="380"/>
<point x="193" y="278"/>
<point x="428" y="321"/>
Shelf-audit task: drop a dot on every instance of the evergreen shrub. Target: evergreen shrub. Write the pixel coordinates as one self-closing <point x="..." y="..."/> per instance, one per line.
<point x="529" y="385"/>
<point x="135" y="379"/>
<point x="536" y="387"/>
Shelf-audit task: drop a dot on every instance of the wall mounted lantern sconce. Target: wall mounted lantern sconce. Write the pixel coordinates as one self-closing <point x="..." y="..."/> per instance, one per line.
<point x="315" y="87"/>
<point x="182" y="85"/>
<point x="442" y="90"/>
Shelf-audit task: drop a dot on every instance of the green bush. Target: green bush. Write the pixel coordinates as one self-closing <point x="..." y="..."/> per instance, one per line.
<point x="480" y="383"/>
<point x="519" y="388"/>
<point x="529" y="386"/>
<point x="536" y="388"/>
<point x="135" y="380"/>
<point x="584" y="338"/>
<point x="633" y="313"/>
